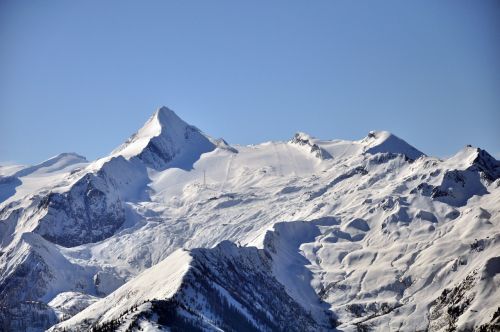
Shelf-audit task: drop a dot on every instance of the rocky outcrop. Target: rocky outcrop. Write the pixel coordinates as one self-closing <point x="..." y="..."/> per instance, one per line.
<point x="90" y="211"/>
<point x="305" y="140"/>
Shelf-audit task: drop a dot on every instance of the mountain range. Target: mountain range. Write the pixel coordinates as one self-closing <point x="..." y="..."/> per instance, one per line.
<point x="176" y="230"/>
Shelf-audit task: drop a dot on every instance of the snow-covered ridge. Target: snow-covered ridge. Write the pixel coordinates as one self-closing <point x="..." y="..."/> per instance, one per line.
<point x="160" y="282"/>
<point x="201" y="288"/>
<point x="376" y="236"/>
<point x="54" y="164"/>
<point x="38" y="176"/>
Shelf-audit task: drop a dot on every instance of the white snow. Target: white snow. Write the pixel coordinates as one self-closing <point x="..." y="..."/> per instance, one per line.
<point x="159" y="282"/>
<point x="352" y="233"/>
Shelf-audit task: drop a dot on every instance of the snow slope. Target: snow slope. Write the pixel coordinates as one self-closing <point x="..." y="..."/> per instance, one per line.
<point x="201" y="289"/>
<point x="38" y="177"/>
<point x="369" y="234"/>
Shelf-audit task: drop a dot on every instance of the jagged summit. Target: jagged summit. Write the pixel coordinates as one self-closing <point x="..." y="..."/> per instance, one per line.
<point x="465" y="156"/>
<point x="166" y="140"/>
<point x="487" y="164"/>
<point x="306" y="140"/>
<point x="475" y="158"/>
<point x="386" y="142"/>
<point x="375" y="142"/>
<point x="302" y="136"/>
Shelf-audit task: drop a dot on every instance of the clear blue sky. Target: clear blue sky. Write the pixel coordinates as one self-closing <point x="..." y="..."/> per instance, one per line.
<point x="82" y="76"/>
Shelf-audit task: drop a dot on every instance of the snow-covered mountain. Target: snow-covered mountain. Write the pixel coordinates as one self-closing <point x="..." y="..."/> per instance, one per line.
<point x="176" y="230"/>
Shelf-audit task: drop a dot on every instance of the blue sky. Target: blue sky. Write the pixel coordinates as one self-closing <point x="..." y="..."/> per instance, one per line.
<point x="83" y="76"/>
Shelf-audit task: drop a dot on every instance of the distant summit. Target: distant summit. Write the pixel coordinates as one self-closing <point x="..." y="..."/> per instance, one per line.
<point x="166" y="140"/>
<point x="308" y="141"/>
<point x="385" y="142"/>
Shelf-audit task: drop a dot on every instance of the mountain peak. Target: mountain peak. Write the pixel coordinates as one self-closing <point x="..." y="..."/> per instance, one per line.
<point x="166" y="140"/>
<point x="378" y="136"/>
<point x="386" y="142"/>
<point x="471" y="157"/>
<point x="166" y="116"/>
<point x="306" y="140"/>
<point x="164" y="109"/>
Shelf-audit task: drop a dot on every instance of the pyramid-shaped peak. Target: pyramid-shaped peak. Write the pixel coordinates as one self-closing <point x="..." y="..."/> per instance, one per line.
<point x="165" y="116"/>
<point x="385" y="142"/>
<point x="475" y="158"/>
<point x="466" y="155"/>
<point x="164" y="109"/>
<point x="166" y="140"/>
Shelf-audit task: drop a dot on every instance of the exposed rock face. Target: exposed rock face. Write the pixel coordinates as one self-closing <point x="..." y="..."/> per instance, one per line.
<point x="459" y="185"/>
<point x="90" y="211"/>
<point x="305" y="140"/>
<point x="27" y="280"/>
<point x="218" y="276"/>
<point x="487" y="165"/>
<point x="27" y="316"/>
<point x="454" y="306"/>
